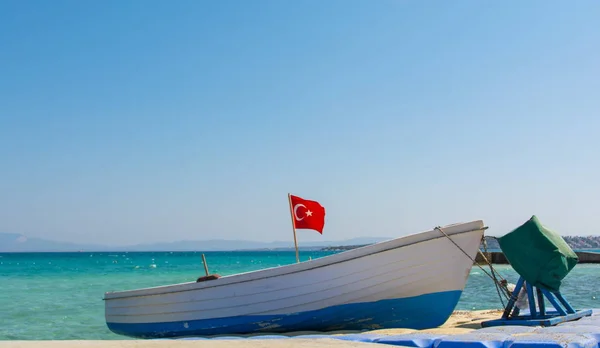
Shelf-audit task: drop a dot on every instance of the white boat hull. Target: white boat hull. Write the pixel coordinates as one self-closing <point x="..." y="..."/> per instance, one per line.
<point x="413" y="282"/>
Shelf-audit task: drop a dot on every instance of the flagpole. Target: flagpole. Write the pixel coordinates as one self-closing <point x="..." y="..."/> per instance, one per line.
<point x="293" y="227"/>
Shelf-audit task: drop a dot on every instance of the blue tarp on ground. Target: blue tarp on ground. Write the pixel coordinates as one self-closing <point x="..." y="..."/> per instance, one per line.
<point x="582" y="333"/>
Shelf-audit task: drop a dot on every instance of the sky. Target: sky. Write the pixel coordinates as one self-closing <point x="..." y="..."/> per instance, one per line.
<point x="125" y="122"/>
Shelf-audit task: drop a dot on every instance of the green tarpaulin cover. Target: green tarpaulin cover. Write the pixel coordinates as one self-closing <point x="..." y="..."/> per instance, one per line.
<point x="539" y="255"/>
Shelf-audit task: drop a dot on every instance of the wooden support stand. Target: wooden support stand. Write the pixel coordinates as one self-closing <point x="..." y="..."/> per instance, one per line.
<point x="537" y="316"/>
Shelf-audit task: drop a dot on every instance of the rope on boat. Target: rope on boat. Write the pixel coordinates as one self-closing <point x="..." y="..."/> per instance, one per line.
<point x="502" y="284"/>
<point x="498" y="284"/>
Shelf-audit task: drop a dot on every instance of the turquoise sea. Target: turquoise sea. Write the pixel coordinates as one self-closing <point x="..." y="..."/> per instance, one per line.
<point x="45" y="296"/>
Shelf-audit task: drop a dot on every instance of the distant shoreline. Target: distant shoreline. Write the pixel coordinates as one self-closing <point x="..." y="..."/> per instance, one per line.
<point x="12" y="242"/>
<point x="308" y="249"/>
<point x="312" y="249"/>
<point x="15" y="243"/>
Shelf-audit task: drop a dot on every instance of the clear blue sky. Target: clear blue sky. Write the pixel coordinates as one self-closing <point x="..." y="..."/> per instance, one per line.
<point x="141" y="121"/>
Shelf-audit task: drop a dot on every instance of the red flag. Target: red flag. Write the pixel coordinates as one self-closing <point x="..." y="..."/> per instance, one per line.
<point x="307" y="214"/>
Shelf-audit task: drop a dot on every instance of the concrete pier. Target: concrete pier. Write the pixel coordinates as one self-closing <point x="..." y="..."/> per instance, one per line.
<point x="499" y="258"/>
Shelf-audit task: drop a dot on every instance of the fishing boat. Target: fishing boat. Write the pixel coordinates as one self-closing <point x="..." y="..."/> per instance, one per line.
<point x="413" y="281"/>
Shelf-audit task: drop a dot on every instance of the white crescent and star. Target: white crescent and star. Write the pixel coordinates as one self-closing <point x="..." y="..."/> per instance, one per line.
<point x="308" y="212"/>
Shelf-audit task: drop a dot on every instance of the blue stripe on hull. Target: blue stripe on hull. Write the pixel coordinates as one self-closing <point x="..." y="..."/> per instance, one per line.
<point x="419" y="312"/>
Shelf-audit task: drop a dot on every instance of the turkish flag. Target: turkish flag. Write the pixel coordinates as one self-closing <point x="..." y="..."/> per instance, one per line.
<point x="307" y="214"/>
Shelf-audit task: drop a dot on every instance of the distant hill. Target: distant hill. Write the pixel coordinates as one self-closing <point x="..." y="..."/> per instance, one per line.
<point x="11" y="242"/>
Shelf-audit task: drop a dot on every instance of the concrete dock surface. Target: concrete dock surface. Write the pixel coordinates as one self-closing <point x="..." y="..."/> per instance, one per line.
<point x="284" y="343"/>
<point x="460" y="322"/>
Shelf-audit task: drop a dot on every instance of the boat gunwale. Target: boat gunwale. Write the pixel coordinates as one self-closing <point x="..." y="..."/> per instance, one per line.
<point x="345" y="256"/>
<point x="371" y="284"/>
<point x="366" y="270"/>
